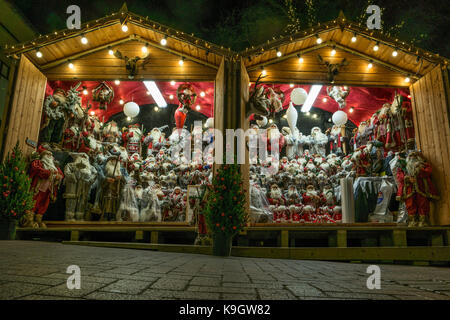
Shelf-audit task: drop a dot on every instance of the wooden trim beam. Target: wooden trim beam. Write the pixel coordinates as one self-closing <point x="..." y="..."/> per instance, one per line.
<point x="331" y="43"/>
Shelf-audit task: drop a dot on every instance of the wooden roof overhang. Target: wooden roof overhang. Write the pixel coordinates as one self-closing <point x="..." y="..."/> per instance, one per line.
<point x="387" y="70"/>
<point x="106" y="33"/>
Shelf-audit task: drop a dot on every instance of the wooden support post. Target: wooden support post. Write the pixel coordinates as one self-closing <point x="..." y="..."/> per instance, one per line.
<point x="399" y="238"/>
<point x="139" y="235"/>
<point x="284" y="238"/>
<point x="74" y="235"/>
<point x="332" y="239"/>
<point x="447" y="237"/>
<point x="154" y="237"/>
<point x="341" y="238"/>
<point x="437" y="238"/>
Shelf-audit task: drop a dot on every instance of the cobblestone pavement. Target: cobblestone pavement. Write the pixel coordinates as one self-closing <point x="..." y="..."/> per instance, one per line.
<point x="37" y="270"/>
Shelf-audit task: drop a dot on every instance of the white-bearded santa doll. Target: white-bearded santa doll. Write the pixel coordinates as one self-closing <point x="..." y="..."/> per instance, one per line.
<point x="154" y="141"/>
<point x="292" y="196"/>
<point x="311" y="197"/>
<point x="291" y="142"/>
<point x="110" y="188"/>
<point x="275" y="137"/>
<point x="80" y="175"/>
<point x="46" y="178"/>
<point x="132" y="139"/>
<point x="110" y="132"/>
<point x="318" y="141"/>
<point x="276" y="197"/>
<point x="336" y="139"/>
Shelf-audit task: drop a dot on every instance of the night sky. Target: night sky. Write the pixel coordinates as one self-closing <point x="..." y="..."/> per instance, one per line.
<point x="241" y="23"/>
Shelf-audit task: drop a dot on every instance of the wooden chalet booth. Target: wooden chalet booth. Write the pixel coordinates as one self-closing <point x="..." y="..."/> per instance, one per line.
<point x="62" y="57"/>
<point x="231" y="74"/>
<point x="295" y="60"/>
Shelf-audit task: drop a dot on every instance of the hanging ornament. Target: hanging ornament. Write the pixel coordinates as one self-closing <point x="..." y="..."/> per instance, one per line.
<point x="339" y="94"/>
<point x="298" y="96"/>
<point x="339" y="118"/>
<point x="186" y="95"/>
<point x="103" y="94"/>
<point x="262" y="121"/>
<point x="276" y="98"/>
<point x="210" y="123"/>
<point x="292" y="116"/>
<point x="131" y="109"/>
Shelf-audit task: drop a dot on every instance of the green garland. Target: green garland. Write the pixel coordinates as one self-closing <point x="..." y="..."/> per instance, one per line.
<point x="15" y="184"/>
<point x="225" y="207"/>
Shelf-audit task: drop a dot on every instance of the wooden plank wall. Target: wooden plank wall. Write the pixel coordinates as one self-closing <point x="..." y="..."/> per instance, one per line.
<point x="26" y="107"/>
<point x="219" y="105"/>
<point x="432" y="127"/>
<point x="245" y="168"/>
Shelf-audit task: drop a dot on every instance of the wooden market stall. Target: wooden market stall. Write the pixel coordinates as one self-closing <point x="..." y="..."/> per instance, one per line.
<point x="295" y="59"/>
<point x="203" y="61"/>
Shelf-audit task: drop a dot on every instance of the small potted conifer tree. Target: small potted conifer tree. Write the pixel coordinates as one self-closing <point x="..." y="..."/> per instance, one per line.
<point x="225" y="208"/>
<point x="16" y="199"/>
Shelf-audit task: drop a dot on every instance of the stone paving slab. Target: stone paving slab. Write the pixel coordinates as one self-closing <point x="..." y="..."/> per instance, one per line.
<point x="37" y="271"/>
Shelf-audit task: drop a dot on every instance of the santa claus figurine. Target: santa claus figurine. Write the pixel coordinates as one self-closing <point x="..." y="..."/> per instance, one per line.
<point x="276" y="197"/>
<point x="53" y="116"/>
<point x="154" y="141"/>
<point x="318" y="140"/>
<point x="336" y="139"/>
<point x="79" y="177"/>
<point x="292" y="196"/>
<point x="46" y="178"/>
<point x="110" y="132"/>
<point x="361" y="161"/>
<point x="110" y="188"/>
<point x="311" y="197"/>
<point x="132" y="139"/>
<point x="275" y="137"/>
<point x="178" y="205"/>
<point x="416" y="189"/>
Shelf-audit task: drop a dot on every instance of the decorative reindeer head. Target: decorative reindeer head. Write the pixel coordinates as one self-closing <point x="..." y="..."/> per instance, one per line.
<point x="333" y="69"/>
<point x="131" y="63"/>
<point x="258" y="103"/>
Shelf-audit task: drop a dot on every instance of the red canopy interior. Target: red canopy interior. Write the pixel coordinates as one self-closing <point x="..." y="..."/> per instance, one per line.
<point x="365" y="101"/>
<point x="137" y="92"/>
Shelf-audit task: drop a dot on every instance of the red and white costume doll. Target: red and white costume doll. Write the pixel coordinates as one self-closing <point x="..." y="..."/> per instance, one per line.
<point x="276" y="197"/>
<point x="416" y="188"/>
<point x="187" y="97"/>
<point x="132" y="139"/>
<point x="46" y="178"/>
<point x="274" y="136"/>
<point x="292" y="196"/>
<point x="361" y="161"/>
<point x="311" y="197"/>
<point x="71" y="138"/>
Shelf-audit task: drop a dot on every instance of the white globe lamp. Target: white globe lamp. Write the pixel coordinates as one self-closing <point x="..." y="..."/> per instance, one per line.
<point x="340" y="118"/>
<point x="131" y="109"/>
<point x="298" y="96"/>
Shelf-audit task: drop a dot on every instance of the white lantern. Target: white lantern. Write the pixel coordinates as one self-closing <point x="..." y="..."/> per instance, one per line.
<point x="298" y="96"/>
<point x="340" y="118"/>
<point x="292" y="116"/>
<point x="262" y="123"/>
<point x="131" y="109"/>
<point x="210" y="123"/>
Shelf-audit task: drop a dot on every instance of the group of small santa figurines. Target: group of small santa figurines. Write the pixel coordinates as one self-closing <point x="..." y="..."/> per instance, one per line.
<point x="302" y="190"/>
<point x="113" y="182"/>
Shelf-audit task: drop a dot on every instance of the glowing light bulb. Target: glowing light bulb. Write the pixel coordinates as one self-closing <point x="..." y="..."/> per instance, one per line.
<point x="144" y="49"/>
<point x="354" y="39"/>
<point x="324" y="99"/>
<point x="300" y="60"/>
<point x="351" y="110"/>
<point x="156" y="109"/>
<point x="308" y="113"/>
<point x="172" y="83"/>
<point x="407" y="79"/>
<point x="376" y="47"/>
<point x="279" y="54"/>
<point x="121" y="101"/>
<point x="84" y="40"/>
<point x="181" y="61"/>
<point x="319" y="40"/>
<point x="394" y="53"/>
<point x="71" y="66"/>
<point x="129" y="118"/>
<point x="117" y="82"/>
<point x="202" y="94"/>
<point x="264" y="72"/>
<point x="315" y="116"/>
<point x="148" y="93"/>
<point x="124" y="28"/>
<point x="198" y="107"/>
<point x="163" y="41"/>
<point x="370" y="65"/>
<point x="85" y="92"/>
<point x="291" y="85"/>
<point x="270" y="121"/>
<point x="39" y="54"/>
<point x="92" y="113"/>
<point x="171" y="97"/>
<point x="333" y="52"/>
<point x="111" y="53"/>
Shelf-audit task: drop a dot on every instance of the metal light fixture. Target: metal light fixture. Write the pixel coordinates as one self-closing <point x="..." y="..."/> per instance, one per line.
<point x="38" y="53"/>
<point x="354" y="37"/>
<point x="181" y="61"/>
